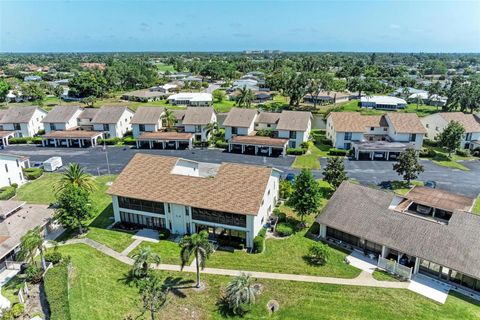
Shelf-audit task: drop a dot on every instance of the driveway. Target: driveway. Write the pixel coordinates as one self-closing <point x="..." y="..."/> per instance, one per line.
<point x="366" y="172"/>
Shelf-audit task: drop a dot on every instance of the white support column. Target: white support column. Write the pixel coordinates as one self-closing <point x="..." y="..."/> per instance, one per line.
<point x="385" y="251"/>
<point x="67" y="141"/>
<point x="163" y="144"/>
<point x="190" y="144"/>
<point x="79" y="143"/>
<point x="150" y="144"/>
<point x="138" y="144"/>
<point x="229" y="147"/>
<point x="388" y="155"/>
<point x="371" y="155"/>
<point x="243" y="148"/>
<point x="269" y="151"/>
<point x="322" y="231"/>
<point x="176" y="145"/>
<point x="284" y="151"/>
<point x="55" y="142"/>
<point x="416" y="267"/>
<point x="256" y="150"/>
<point x="93" y="142"/>
<point x="43" y="143"/>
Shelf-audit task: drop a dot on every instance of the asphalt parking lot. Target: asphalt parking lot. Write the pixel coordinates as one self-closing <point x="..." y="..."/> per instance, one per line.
<point x="366" y="172"/>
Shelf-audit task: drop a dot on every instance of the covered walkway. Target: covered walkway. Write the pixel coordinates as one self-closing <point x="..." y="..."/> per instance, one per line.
<point x="71" y="138"/>
<point x="164" y="140"/>
<point x="379" y="150"/>
<point x="258" y="145"/>
<point x="5" y="136"/>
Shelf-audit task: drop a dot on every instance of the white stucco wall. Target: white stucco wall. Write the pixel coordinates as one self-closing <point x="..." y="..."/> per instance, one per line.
<point x="148" y="128"/>
<point x="11" y="170"/>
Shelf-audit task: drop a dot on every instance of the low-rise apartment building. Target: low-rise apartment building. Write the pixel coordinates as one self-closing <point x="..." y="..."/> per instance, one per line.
<point x="197" y="120"/>
<point x="25" y="122"/>
<point x="11" y="169"/>
<point x="113" y="121"/>
<point x="382" y="102"/>
<point x="193" y="99"/>
<point x="62" y="118"/>
<point x="375" y="136"/>
<point x="199" y="196"/>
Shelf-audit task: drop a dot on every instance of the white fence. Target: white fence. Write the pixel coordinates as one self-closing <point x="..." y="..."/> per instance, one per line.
<point x="395" y="268"/>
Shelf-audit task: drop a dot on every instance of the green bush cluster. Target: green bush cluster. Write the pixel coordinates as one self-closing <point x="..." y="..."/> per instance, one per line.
<point x="296" y="151"/>
<point x="53" y="257"/>
<point x="164" y="233"/>
<point x="427" y="153"/>
<point x="265" y="132"/>
<point x="15" y="312"/>
<point x="32" y="173"/>
<point x="129" y="140"/>
<point x="284" y="229"/>
<point x="56" y="289"/>
<point x="19" y="140"/>
<point x="7" y="192"/>
<point x="110" y="141"/>
<point x="337" y="152"/>
<point x="221" y="144"/>
<point x="430" y="143"/>
<point x="259" y="241"/>
<point x="463" y="152"/>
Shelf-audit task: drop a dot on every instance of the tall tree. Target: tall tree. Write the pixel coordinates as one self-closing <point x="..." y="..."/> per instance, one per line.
<point x="240" y="294"/>
<point x="4" y="87"/>
<point x="196" y="245"/>
<point x="334" y="172"/>
<point x="31" y="244"/>
<point x="169" y="118"/>
<point x="154" y="296"/>
<point x="245" y="97"/>
<point x="451" y="137"/>
<point x="218" y="95"/>
<point x="74" y="207"/>
<point x="306" y="195"/>
<point x="296" y="87"/>
<point x="77" y="177"/>
<point x="408" y="165"/>
<point x="141" y="261"/>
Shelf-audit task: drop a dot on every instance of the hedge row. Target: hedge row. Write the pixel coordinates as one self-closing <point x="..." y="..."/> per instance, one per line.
<point x="259" y="241"/>
<point x="337" y="152"/>
<point x="56" y="289"/>
<point x="221" y="144"/>
<point x="7" y="192"/>
<point x="32" y="173"/>
<point x="35" y="140"/>
<point x="296" y="151"/>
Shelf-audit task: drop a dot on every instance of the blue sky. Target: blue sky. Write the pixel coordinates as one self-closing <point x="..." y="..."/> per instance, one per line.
<point x="388" y="25"/>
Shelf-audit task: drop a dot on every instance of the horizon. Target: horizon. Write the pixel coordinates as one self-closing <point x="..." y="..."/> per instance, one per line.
<point x="236" y="26"/>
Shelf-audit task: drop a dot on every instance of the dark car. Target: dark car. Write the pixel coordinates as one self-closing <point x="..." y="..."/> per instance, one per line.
<point x="430" y="184"/>
<point x="290" y="177"/>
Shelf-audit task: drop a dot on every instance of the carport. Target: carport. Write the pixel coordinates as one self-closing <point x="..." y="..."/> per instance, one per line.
<point x="5" y="136"/>
<point x="164" y="139"/>
<point x="71" y="138"/>
<point x="379" y="150"/>
<point x="258" y="145"/>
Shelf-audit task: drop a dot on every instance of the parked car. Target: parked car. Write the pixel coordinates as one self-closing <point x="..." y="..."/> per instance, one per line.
<point x="52" y="164"/>
<point x="290" y="177"/>
<point x="430" y="184"/>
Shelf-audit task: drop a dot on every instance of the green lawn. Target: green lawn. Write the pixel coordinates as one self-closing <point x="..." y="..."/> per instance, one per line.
<point x="169" y="251"/>
<point x="382" y="275"/>
<point x="442" y="159"/>
<point x="98" y="291"/>
<point x="224" y="106"/>
<point x="41" y="191"/>
<point x="165" y="67"/>
<point x="402" y="188"/>
<point x="422" y="110"/>
<point x="306" y="161"/>
<point x="476" y="206"/>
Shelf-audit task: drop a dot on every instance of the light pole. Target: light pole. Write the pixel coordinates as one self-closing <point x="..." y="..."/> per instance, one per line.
<point x="106" y="156"/>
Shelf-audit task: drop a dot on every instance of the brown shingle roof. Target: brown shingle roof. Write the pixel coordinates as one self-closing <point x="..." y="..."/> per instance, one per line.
<point x="268" y="117"/>
<point x="71" y="134"/>
<point x="88" y="113"/>
<point x="198" y="115"/>
<point x="147" y="115"/>
<point x="365" y="213"/>
<point x="259" y="141"/>
<point x="406" y="122"/>
<point x="236" y="188"/>
<point x="468" y="121"/>
<point x="2" y="113"/>
<point x="440" y="199"/>
<point x="294" y="120"/>
<point x="61" y="114"/>
<point x="238" y="117"/>
<point x="355" y="122"/>
<point x="179" y="114"/>
<point x="145" y="93"/>
<point x="4" y="134"/>
<point x="165" y="135"/>
<point x="19" y="114"/>
<point x="109" y="114"/>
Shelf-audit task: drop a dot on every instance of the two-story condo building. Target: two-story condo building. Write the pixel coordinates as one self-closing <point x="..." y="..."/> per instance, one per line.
<point x="196" y="121"/>
<point x="278" y="130"/>
<point x="185" y="196"/>
<point x="427" y="231"/>
<point x="375" y="136"/>
<point x="63" y="129"/>
<point x="436" y="123"/>
<point x="113" y="121"/>
<point x="23" y="121"/>
<point x="5" y="136"/>
<point x="11" y="169"/>
<point x="382" y="102"/>
<point x="193" y="99"/>
<point x="147" y="119"/>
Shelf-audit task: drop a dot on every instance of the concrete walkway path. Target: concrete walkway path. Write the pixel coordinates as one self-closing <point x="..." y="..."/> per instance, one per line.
<point x="131" y="247"/>
<point x="364" y="279"/>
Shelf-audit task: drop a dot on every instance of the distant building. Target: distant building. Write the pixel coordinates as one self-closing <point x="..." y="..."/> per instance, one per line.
<point x="32" y="78"/>
<point x="327" y="97"/>
<point x="382" y="102"/>
<point x="193" y="99"/>
<point x="145" y="95"/>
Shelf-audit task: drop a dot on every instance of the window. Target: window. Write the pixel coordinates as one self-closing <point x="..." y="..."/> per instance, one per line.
<point x="293" y="135"/>
<point x="436" y="128"/>
<point x="413" y="136"/>
<point x="468" y="136"/>
<point x="18" y="163"/>
<point x="6" y="167"/>
<point x="372" y="128"/>
<point x="187" y="211"/>
<point x="219" y="217"/>
<point x="427" y="125"/>
<point x="141" y="205"/>
<point x="52" y="126"/>
<point x="106" y="127"/>
<point x="348" y="136"/>
<point x="234" y="130"/>
<point x="168" y="207"/>
<point x="347" y="146"/>
<point x="141" y="127"/>
<point x="16" y="126"/>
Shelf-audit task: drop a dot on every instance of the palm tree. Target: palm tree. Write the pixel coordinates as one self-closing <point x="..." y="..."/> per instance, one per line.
<point x="198" y="245"/>
<point x="245" y="97"/>
<point x="30" y="244"/>
<point x="240" y="292"/>
<point x="169" y="118"/>
<point x="154" y="296"/>
<point x="77" y="177"/>
<point x="142" y="260"/>
<point x="212" y="128"/>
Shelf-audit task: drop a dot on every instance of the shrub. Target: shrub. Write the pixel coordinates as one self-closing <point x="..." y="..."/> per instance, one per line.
<point x="427" y="153"/>
<point x="56" y="289"/>
<point x="463" y="152"/>
<point x="36" y="140"/>
<point x="32" y="173"/>
<point x="337" y="152"/>
<point x="262" y="232"/>
<point x="286" y="189"/>
<point x="19" y="140"/>
<point x="129" y="140"/>
<point x="258" y="244"/>
<point x="15" y="185"/>
<point x="476" y="152"/>
<point x="282" y="216"/>
<point x="7" y="192"/>
<point x="17" y="309"/>
<point x="315" y="228"/>
<point x="8" y="315"/>
<point x="319" y="253"/>
<point x="221" y="144"/>
<point x="305" y="145"/>
<point x="265" y="132"/>
<point x="430" y="143"/>
<point x="53" y="257"/>
<point x="164" y="234"/>
<point x="296" y="151"/>
<point x="326" y="141"/>
<point x="110" y="141"/>
<point x="284" y="230"/>
<point x="33" y="273"/>
<point x="202" y="144"/>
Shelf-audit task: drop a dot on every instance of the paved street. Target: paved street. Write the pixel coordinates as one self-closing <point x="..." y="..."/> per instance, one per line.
<point x="366" y="172"/>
